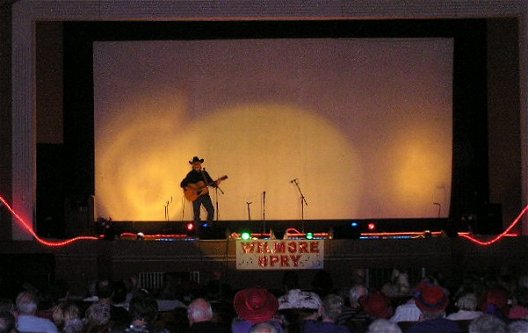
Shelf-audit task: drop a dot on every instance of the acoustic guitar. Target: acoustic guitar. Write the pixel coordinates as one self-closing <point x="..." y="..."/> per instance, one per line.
<point x="195" y="190"/>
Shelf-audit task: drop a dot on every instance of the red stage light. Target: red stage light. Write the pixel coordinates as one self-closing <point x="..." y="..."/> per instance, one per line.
<point x="372" y="226"/>
<point x="190" y="226"/>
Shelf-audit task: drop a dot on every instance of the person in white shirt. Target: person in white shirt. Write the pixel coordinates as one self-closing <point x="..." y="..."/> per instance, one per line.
<point x="406" y="312"/>
<point x="27" y="321"/>
<point x="467" y="306"/>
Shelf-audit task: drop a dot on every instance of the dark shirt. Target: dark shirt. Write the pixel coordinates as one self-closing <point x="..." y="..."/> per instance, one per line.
<point x="197" y="176"/>
<point x="119" y="315"/>
<point x="314" y="326"/>
<point x="207" y="327"/>
<point x="438" y="325"/>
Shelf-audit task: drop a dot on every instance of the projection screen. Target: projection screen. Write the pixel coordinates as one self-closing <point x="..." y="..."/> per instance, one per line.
<point x="365" y="125"/>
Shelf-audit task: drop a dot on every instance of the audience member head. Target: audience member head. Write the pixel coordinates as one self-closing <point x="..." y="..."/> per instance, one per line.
<point x="356" y="292"/>
<point x="255" y="305"/>
<point x="104" y="289"/>
<point x="143" y="308"/>
<point x="98" y="314"/>
<point x="467" y="302"/>
<point x="199" y="311"/>
<point x="519" y="326"/>
<point x="377" y="305"/>
<point x="332" y="307"/>
<point x="487" y="324"/>
<point x="383" y="326"/>
<point x="7" y="322"/>
<point x="26" y="303"/>
<point x="65" y="312"/>
<point x="495" y="302"/>
<point x="7" y="305"/>
<point x="307" y="304"/>
<point x="359" y="276"/>
<point x="432" y="300"/>
<point x="290" y="280"/>
<point x="263" y="328"/>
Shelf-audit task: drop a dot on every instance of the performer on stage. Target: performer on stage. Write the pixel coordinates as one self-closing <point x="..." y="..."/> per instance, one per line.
<point x="195" y="187"/>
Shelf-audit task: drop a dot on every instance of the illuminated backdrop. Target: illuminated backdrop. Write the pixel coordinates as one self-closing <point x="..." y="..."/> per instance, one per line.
<point x="364" y="124"/>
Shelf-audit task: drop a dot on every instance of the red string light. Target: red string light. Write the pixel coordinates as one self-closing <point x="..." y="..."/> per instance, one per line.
<point x="497" y="238"/>
<point x="290" y="232"/>
<point x="29" y="229"/>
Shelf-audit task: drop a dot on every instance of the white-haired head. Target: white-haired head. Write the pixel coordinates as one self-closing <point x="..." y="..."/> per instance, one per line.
<point x="488" y="324"/>
<point x="383" y="326"/>
<point x="520" y="326"/>
<point x="467" y="302"/>
<point x="199" y="310"/>
<point x="26" y="303"/>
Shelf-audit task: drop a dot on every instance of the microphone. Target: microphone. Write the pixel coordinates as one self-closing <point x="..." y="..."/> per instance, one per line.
<point x="293" y="180"/>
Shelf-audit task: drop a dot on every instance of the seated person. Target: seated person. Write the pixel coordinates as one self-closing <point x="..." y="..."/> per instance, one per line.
<point x="383" y="326"/>
<point x="297" y="307"/>
<point x="432" y="301"/>
<point x="467" y="308"/>
<point x="520" y="308"/>
<point x="200" y="315"/>
<point x="27" y="321"/>
<point x="488" y="324"/>
<point x="331" y="309"/>
<point x="254" y="306"/>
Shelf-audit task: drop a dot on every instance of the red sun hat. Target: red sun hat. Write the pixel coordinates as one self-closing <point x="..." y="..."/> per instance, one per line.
<point x="255" y="304"/>
<point x="377" y="305"/>
<point x="431" y="298"/>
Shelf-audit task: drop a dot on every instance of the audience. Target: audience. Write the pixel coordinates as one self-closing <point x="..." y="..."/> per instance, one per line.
<point x="377" y="306"/>
<point x="467" y="308"/>
<point x="27" y="321"/>
<point x="97" y="318"/>
<point x="300" y="309"/>
<point x="255" y="306"/>
<point x="520" y="326"/>
<point x="495" y="302"/>
<point x="406" y="312"/>
<point x="331" y="309"/>
<point x="520" y="309"/>
<point x="143" y="311"/>
<point x="67" y="318"/>
<point x="7" y="322"/>
<point x="503" y="299"/>
<point x="488" y="324"/>
<point x="105" y="294"/>
<point x="383" y="326"/>
<point x="200" y="315"/>
<point x="263" y="328"/>
<point x="432" y="301"/>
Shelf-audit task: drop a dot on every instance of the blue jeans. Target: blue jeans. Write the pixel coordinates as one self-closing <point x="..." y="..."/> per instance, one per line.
<point x="206" y="201"/>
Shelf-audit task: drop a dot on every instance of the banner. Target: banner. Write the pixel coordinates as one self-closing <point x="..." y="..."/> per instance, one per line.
<point x="279" y="254"/>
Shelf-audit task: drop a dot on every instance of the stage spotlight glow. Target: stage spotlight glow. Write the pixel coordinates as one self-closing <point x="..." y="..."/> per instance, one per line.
<point x="372" y="226"/>
<point x="245" y="235"/>
<point x="309" y="235"/>
<point x="189" y="226"/>
<point x="354" y="224"/>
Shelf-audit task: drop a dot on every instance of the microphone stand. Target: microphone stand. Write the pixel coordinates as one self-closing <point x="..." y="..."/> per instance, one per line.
<point x="217" y="188"/>
<point x="248" y="203"/>
<point x="303" y="201"/>
<point x="263" y="212"/>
